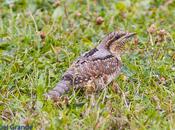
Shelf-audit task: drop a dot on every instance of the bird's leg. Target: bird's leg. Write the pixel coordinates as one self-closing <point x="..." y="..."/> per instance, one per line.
<point x="115" y="87"/>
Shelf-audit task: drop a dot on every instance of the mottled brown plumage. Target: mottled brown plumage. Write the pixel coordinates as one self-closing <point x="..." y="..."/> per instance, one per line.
<point x="97" y="67"/>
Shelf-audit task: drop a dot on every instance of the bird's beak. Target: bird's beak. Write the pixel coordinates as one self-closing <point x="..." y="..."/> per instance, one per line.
<point x="129" y="35"/>
<point x="125" y="38"/>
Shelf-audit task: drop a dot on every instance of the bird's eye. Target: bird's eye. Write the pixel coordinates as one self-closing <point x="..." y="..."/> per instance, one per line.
<point x="117" y="36"/>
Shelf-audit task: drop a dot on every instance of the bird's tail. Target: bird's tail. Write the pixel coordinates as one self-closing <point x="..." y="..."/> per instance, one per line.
<point x="62" y="87"/>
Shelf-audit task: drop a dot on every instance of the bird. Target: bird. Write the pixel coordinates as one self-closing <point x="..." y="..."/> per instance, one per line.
<point x="97" y="67"/>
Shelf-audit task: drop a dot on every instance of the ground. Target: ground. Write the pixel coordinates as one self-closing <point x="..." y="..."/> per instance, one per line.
<point x="40" y="39"/>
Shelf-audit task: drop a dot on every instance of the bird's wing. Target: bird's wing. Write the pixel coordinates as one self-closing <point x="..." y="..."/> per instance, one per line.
<point x="92" y="55"/>
<point x="92" y="65"/>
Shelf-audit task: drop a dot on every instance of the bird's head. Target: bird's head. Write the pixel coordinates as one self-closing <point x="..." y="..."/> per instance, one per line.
<point x="114" y="42"/>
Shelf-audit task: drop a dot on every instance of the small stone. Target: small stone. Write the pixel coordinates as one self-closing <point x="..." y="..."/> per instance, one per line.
<point x="42" y="35"/>
<point x="99" y="20"/>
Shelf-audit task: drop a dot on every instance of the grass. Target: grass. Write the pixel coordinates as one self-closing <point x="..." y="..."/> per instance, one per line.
<point x="40" y="39"/>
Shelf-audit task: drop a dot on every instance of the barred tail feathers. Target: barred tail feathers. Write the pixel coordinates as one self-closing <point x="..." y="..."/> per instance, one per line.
<point x="62" y="87"/>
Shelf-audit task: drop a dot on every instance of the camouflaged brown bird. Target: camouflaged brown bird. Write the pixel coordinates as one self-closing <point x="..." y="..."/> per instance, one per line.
<point x="97" y="67"/>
